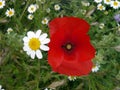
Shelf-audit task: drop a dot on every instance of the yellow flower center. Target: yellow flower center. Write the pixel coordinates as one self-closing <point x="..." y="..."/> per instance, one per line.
<point x="45" y="21"/>
<point x="10" y="12"/>
<point x="101" y="7"/>
<point x="32" y="9"/>
<point x="1" y="3"/>
<point x="34" y="43"/>
<point x="107" y="0"/>
<point x="115" y="3"/>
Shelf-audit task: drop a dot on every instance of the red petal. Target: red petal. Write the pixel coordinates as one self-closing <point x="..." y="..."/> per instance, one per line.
<point x="71" y="23"/>
<point x="74" y="68"/>
<point x="83" y="46"/>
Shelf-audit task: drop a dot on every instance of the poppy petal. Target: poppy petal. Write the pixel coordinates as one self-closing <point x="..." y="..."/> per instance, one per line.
<point x="71" y="23"/>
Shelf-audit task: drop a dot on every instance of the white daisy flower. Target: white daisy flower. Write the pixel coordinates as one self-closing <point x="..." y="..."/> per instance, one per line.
<point x="45" y="21"/>
<point x="57" y="7"/>
<point x="72" y="78"/>
<point x="34" y="43"/>
<point x="98" y="1"/>
<point x="100" y="7"/>
<point x="95" y="68"/>
<point x="107" y="2"/>
<point x="10" y="12"/>
<point x="2" y="3"/>
<point x="1" y="87"/>
<point x="32" y="8"/>
<point x="115" y="4"/>
<point x="101" y="25"/>
<point x="9" y="30"/>
<point x="30" y="16"/>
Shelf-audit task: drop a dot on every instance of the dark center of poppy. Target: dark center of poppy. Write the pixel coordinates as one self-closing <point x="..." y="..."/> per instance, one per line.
<point x="67" y="46"/>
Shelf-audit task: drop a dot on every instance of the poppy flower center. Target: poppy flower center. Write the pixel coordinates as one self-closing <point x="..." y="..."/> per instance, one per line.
<point x="67" y="46"/>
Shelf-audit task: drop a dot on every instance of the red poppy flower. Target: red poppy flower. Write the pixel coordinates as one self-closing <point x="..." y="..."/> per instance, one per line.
<point x="70" y="51"/>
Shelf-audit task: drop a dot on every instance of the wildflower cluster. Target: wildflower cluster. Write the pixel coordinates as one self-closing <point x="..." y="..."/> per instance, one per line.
<point x="102" y="4"/>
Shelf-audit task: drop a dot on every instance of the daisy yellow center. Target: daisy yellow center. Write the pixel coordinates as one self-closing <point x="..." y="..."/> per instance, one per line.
<point x="32" y="9"/>
<point x="10" y="12"/>
<point x="1" y="3"/>
<point x="44" y="21"/>
<point x="108" y="0"/>
<point x="31" y="17"/>
<point x="115" y="3"/>
<point x="34" y="43"/>
<point x="101" y="7"/>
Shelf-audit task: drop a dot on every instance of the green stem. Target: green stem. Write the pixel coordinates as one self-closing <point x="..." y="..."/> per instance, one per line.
<point x="38" y="75"/>
<point x="24" y="10"/>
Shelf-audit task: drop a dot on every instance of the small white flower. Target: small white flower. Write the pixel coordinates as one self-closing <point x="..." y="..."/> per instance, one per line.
<point x="48" y="10"/>
<point x="57" y="7"/>
<point x="115" y="4"/>
<point x="9" y="30"/>
<point x="83" y="11"/>
<point x="10" y="12"/>
<point x="107" y="2"/>
<point x="34" y="43"/>
<point x="95" y="68"/>
<point x="30" y="16"/>
<point x="101" y="25"/>
<point x="37" y="6"/>
<point x="32" y="8"/>
<point x="100" y="7"/>
<point x="47" y="89"/>
<point x="98" y="1"/>
<point x="1" y="87"/>
<point x="85" y="3"/>
<point x="72" y="78"/>
<point x="45" y="21"/>
<point x="2" y="3"/>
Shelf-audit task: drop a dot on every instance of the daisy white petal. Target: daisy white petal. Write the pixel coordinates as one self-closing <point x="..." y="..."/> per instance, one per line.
<point x="39" y="54"/>
<point x="30" y="34"/>
<point x="32" y="54"/>
<point x="25" y="48"/>
<point x="44" y="47"/>
<point x="98" y="1"/>
<point x="38" y="33"/>
<point x="43" y="36"/>
<point x="107" y="2"/>
<point x="25" y="39"/>
<point x="47" y="40"/>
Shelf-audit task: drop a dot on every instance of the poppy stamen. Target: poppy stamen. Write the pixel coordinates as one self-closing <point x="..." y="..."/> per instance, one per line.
<point x="68" y="46"/>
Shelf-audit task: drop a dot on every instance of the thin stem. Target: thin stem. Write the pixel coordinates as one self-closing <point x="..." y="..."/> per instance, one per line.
<point x="24" y="10"/>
